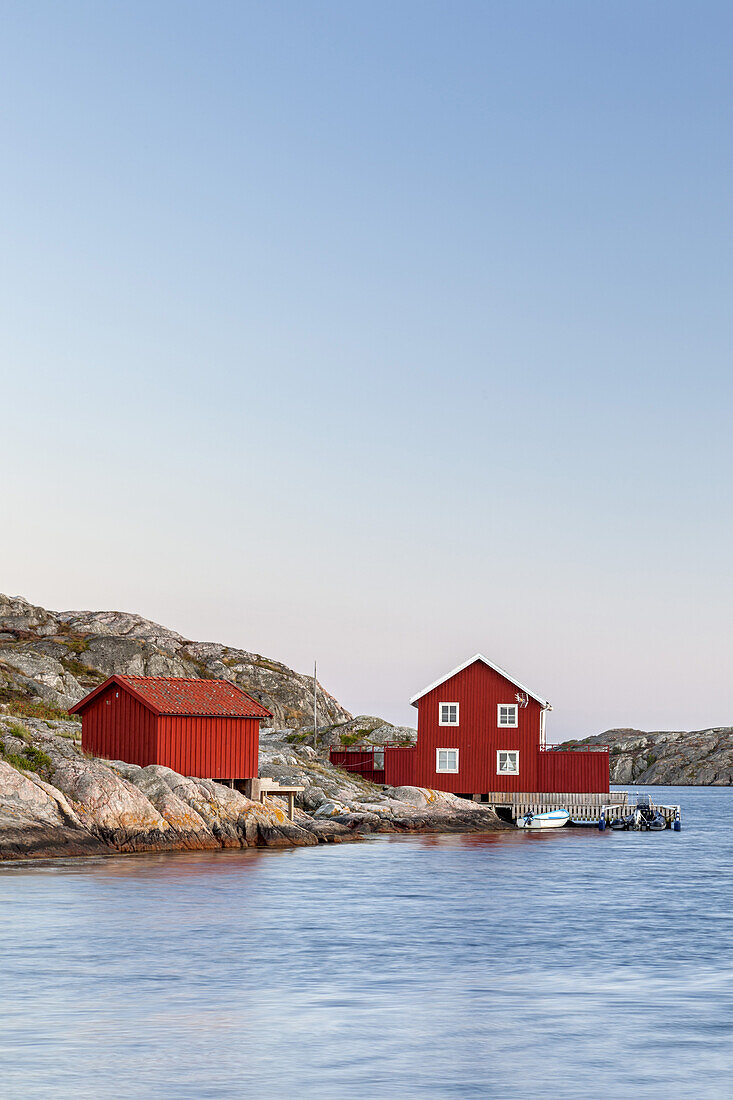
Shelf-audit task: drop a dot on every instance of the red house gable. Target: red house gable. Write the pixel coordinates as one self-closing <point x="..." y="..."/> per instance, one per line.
<point x="205" y="728"/>
<point x="479" y="730"/>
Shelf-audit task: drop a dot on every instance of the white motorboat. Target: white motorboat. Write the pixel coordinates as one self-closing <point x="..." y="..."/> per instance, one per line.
<point x="550" y="819"/>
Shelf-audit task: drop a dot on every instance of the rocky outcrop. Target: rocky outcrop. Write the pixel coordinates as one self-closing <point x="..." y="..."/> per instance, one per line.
<point x="36" y="820"/>
<point x="363" y="730"/>
<point x="50" y="659"/>
<point x="55" y="800"/>
<point x="17" y="617"/>
<point x="669" y="758"/>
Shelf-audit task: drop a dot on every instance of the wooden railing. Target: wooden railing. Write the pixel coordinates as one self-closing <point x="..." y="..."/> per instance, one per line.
<point x="566" y="799"/>
<point x="574" y="748"/>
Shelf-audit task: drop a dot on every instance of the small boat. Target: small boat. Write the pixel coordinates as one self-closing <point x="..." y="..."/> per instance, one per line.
<point x="550" y="819"/>
<point x="644" y="817"/>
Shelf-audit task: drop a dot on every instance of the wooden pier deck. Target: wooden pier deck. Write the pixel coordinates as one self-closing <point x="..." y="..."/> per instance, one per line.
<point x="582" y="807"/>
<point x="586" y="806"/>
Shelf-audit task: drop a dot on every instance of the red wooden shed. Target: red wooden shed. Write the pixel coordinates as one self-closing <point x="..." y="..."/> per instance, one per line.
<point x="204" y="728"/>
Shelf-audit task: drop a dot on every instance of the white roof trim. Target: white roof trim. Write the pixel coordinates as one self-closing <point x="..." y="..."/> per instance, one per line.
<point x="480" y="657"/>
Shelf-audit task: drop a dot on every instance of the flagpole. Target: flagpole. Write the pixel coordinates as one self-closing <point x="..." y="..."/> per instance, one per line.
<point x="315" y="705"/>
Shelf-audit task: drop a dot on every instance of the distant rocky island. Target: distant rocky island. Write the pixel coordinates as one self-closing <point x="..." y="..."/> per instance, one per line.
<point x="702" y="758"/>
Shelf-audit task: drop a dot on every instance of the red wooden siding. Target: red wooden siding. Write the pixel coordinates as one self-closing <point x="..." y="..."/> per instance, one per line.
<point x="478" y="690"/>
<point x="557" y="772"/>
<point x="118" y="727"/>
<point x="358" y="762"/>
<point x="573" y="772"/>
<point x="209" y="747"/>
<point x="399" y="765"/>
<point x="125" y="724"/>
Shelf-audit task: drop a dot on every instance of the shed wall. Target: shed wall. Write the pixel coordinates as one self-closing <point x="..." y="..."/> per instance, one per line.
<point x="117" y="727"/>
<point x="209" y="747"/>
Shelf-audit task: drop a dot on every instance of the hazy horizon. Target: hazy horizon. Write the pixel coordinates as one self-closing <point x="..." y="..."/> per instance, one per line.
<point x="379" y="334"/>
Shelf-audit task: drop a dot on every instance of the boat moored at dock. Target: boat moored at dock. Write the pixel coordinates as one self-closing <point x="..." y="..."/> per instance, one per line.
<point x="640" y="816"/>
<point x="550" y="819"/>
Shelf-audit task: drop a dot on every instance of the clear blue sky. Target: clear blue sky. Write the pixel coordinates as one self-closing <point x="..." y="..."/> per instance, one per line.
<point x="382" y="333"/>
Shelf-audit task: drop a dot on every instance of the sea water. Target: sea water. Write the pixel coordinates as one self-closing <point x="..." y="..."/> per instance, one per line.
<point x="570" y="964"/>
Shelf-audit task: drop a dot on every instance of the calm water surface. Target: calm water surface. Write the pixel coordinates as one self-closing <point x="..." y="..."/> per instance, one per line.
<point x="569" y="964"/>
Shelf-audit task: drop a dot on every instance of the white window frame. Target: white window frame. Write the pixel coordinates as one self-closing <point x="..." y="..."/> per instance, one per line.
<point x="443" y="771"/>
<point x="507" y="725"/>
<point x="512" y="752"/>
<point x="440" y="714"/>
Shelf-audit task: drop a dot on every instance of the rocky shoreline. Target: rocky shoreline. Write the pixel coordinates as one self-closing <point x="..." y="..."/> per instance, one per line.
<point x="56" y="801"/>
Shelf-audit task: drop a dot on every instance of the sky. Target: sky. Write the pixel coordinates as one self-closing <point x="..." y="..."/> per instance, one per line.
<point x="379" y="333"/>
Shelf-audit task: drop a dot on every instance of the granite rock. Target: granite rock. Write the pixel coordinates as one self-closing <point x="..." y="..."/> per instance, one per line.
<point x="56" y="657"/>
<point x="668" y="757"/>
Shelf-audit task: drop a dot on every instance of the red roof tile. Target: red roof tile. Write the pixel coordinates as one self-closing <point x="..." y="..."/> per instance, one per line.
<point x="179" y="695"/>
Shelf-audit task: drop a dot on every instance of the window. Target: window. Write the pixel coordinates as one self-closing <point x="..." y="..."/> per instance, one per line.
<point x="446" y="760"/>
<point x="507" y="762"/>
<point x="447" y="714"/>
<point x="378" y="760"/>
<point x="507" y="714"/>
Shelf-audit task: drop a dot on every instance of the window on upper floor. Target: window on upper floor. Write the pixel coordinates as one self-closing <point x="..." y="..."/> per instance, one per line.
<point x="507" y="715"/>
<point x="446" y="760"/>
<point x="448" y="714"/>
<point x="507" y="762"/>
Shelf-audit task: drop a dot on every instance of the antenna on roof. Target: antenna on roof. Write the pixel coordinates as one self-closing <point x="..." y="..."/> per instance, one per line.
<point x="315" y="705"/>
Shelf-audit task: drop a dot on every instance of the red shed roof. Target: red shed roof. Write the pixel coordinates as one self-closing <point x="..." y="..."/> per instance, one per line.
<point x="179" y="695"/>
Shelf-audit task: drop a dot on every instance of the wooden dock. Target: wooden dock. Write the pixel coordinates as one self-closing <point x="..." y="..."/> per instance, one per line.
<point x="586" y="808"/>
<point x="582" y="807"/>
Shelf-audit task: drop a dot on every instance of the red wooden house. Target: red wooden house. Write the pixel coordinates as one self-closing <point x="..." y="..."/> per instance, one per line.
<point x="204" y="728"/>
<point x="480" y="733"/>
<point x="479" y="730"/>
